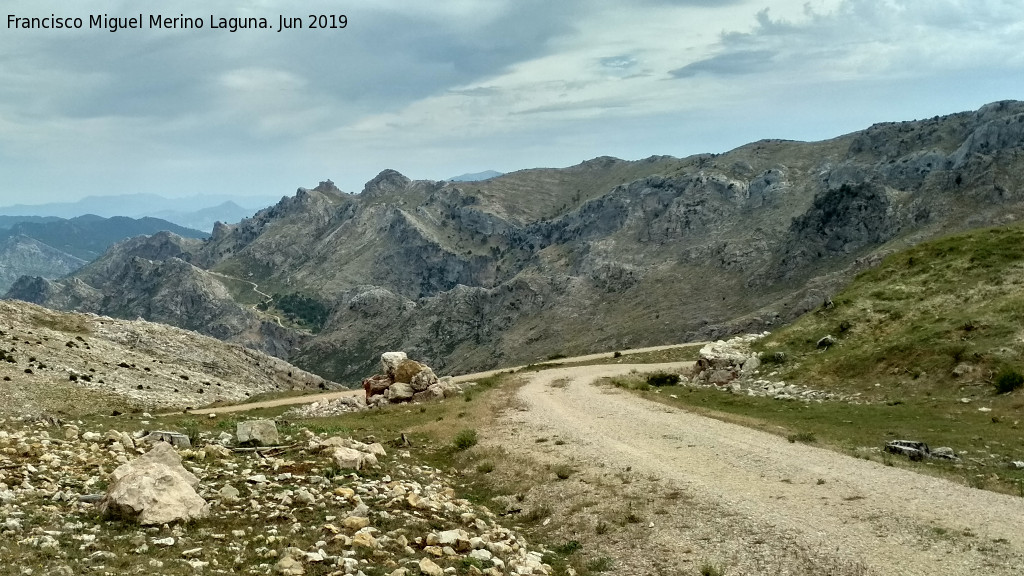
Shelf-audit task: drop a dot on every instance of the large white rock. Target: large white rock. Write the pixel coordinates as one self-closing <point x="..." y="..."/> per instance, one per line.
<point x="389" y="361"/>
<point x="154" y="489"/>
<point x="258" y="432"/>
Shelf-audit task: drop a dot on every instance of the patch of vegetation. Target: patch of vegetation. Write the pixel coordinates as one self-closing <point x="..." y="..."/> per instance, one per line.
<point x="805" y="437"/>
<point x="662" y="379"/>
<point x="304" y="310"/>
<point x="465" y="439"/>
<point x="1008" y="380"/>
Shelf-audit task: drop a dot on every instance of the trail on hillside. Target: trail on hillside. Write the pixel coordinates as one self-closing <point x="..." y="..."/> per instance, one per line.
<point x="749" y="488"/>
<point x="255" y="288"/>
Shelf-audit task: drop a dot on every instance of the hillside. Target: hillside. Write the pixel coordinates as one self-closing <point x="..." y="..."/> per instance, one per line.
<point x="60" y="363"/>
<point x="603" y="255"/>
<point x="940" y="319"/>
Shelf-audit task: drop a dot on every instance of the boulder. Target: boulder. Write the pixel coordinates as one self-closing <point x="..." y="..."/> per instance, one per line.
<point x="423" y="379"/>
<point x="176" y="439"/>
<point x="909" y="448"/>
<point x="400" y="392"/>
<point x="347" y="458"/>
<point x="826" y="342"/>
<point x="390" y="360"/>
<point x="406" y="371"/>
<point x="945" y="453"/>
<point x="375" y="385"/>
<point x="154" y="489"/>
<point x="257" y="432"/>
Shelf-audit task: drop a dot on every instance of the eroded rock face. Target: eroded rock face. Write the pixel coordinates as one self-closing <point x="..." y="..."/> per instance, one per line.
<point x="154" y="489"/>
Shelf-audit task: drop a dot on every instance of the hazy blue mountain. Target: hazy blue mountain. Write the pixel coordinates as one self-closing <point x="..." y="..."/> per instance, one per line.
<point x="476" y="176"/>
<point x="136" y="205"/>
<point x="8" y="221"/>
<point x="229" y="212"/>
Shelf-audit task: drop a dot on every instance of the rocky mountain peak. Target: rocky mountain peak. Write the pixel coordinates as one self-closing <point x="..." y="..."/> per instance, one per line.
<point x="388" y="181"/>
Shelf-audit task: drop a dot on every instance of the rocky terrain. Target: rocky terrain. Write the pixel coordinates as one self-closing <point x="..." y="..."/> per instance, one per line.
<point x="316" y="505"/>
<point x="61" y="363"/>
<point x="607" y="254"/>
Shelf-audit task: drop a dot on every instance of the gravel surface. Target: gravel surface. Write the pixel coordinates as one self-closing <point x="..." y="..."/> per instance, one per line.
<point x="760" y="486"/>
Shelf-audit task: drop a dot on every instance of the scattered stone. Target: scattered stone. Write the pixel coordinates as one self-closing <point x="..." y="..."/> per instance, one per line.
<point x="826" y="342"/>
<point x="428" y="568"/>
<point x="176" y="439"/>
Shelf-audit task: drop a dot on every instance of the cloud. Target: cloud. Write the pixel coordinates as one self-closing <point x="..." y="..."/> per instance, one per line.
<point x="727" y="63"/>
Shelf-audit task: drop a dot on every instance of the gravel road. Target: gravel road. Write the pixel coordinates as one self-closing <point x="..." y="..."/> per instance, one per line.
<point x="889" y="520"/>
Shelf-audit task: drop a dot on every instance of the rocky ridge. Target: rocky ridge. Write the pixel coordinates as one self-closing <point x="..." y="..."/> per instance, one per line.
<point x="603" y="255"/>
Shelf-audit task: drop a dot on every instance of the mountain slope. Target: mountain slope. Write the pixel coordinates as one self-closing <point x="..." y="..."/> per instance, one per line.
<point x="60" y="363"/>
<point x="605" y="254"/>
<point x="21" y="255"/>
<point x="941" y="318"/>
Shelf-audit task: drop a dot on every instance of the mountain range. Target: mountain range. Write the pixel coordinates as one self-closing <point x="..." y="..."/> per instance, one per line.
<point x="209" y="208"/>
<point x="53" y="247"/>
<point x="602" y="255"/>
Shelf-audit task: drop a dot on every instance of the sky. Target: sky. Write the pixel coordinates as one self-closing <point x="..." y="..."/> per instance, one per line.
<point x="438" y="89"/>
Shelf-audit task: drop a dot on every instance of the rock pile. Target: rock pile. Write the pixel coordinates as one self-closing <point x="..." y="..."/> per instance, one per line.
<point x="405" y="380"/>
<point x="300" y="511"/>
<point x="723" y="361"/>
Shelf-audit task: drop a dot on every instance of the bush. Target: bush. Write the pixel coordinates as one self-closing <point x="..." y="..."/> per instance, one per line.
<point x="663" y="379"/>
<point x="465" y="440"/>
<point x="1008" y="380"/>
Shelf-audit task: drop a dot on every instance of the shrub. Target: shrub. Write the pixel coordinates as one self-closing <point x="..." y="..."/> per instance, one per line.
<point x="465" y="439"/>
<point x="776" y="357"/>
<point x="663" y="379"/>
<point x="1008" y="380"/>
<point x="485" y="467"/>
<point x="562" y="471"/>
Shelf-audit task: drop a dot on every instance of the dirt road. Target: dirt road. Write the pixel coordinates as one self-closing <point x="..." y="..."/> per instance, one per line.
<point x="761" y="488"/>
<point x="310" y="398"/>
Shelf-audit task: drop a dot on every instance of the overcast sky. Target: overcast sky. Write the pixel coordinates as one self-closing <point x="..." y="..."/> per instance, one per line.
<point x="436" y="89"/>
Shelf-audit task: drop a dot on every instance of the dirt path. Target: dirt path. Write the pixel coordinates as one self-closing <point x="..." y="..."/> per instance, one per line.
<point x="255" y="288"/>
<point x="309" y="399"/>
<point x="761" y="488"/>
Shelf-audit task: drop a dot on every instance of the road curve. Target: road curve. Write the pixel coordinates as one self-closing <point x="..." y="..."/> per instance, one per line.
<point x="891" y="520"/>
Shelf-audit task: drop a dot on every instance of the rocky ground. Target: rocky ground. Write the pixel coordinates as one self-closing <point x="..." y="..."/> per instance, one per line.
<point x="286" y="510"/>
<point x="68" y="364"/>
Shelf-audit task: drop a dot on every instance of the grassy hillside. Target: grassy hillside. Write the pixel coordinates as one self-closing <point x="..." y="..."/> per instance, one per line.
<point x="941" y="319"/>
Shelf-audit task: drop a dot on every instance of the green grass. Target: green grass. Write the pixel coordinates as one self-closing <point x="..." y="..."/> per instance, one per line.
<point x="913" y="319"/>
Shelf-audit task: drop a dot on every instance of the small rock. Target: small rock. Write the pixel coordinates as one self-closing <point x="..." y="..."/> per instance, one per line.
<point x="428" y="568"/>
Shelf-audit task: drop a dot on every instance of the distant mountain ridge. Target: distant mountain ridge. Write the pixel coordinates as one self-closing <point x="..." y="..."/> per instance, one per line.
<point x="55" y="247"/>
<point x="602" y="255"/>
<point x="208" y="208"/>
<point x="476" y="176"/>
